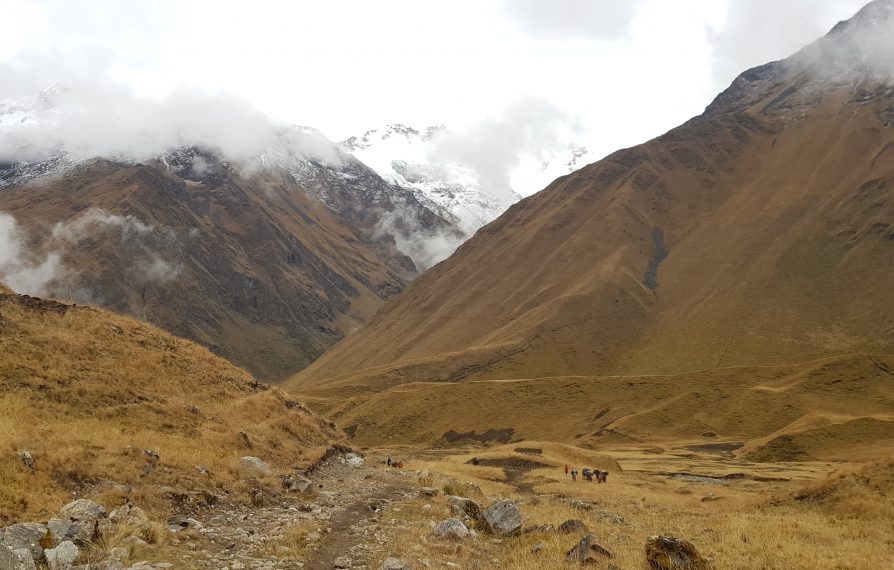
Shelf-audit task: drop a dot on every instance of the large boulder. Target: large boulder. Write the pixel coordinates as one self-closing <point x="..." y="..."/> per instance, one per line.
<point x="12" y="559"/>
<point x="463" y="507"/>
<point x="62" y="557"/>
<point x="254" y="465"/>
<point x="669" y="553"/>
<point x="588" y="551"/>
<point x="453" y="529"/>
<point x="502" y="518"/>
<point x="88" y="513"/>
<point x="25" y="536"/>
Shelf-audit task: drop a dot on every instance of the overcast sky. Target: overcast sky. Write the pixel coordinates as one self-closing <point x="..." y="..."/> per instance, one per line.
<point x="616" y="72"/>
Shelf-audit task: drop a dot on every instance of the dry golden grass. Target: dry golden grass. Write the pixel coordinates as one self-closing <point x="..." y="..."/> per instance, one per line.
<point x="85" y="392"/>
<point x="838" y="521"/>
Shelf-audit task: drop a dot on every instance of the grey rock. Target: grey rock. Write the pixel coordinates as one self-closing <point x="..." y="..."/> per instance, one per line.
<point x="537" y="548"/>
<point x="353" y="460"/>
<point x="254" y="465"/>
<point x="540" y="529"/>
<point x="453" y="529"/>
<point x="572" y="526"/>
<point x="77" y="532"/>
<point x="392" y="563"/>
<point x="119" y="553"/>
<point x="343" y="562"/>
<point x="25" y="536"/>
<point x="15" y="559"/>
<point x="588" y="551"/>
<point x="82" y="510"/>
<point x="503" y="518"/>
<point x="463" y="507"/>
<point x="63" y="556"/>
<point x="296" y="484"/>
<point x="428" y="492"/>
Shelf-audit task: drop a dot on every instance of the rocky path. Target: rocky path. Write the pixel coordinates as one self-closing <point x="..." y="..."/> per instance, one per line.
<point x="338" y="525"/>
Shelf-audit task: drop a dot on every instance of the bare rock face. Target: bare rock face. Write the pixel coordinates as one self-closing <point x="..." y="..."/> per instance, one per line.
<point x="453" y="529"/>
<point x="668" y="553"/>
<point x="588" y="551"/>
<point x="503" y="518"/>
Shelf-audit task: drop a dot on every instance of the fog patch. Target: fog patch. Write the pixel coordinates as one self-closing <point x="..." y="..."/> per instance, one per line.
<point x="21" y="269"/>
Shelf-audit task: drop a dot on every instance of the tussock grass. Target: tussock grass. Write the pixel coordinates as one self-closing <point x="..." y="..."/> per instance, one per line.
<point x="86" y="392"/>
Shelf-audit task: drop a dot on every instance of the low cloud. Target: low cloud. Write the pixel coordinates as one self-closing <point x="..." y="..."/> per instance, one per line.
<point x="599" y="19"/>
<point x="22" y="269"/>
<point x="426" y="247"/>
<point x="87" y="114"/>
<point x="96" y="219"/>
<point x="530" y="129"/>
<point x="758" y="31"/>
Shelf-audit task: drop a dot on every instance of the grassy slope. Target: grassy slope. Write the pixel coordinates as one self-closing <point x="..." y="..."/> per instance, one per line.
<point x="831" y="408"/>
<point x="86" y="391"/>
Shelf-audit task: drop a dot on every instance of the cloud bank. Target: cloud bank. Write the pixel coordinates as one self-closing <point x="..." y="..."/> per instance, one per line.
<point x="86" y="114"/>
<point x="594" y="19"/>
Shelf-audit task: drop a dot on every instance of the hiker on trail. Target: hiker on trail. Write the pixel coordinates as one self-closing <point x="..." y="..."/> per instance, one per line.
<point x="389" y="461"/>
<point x="475" y="461"/>
<point x="601" y="476"/>
<point x="574" y="474"/>
<point x="588" y="474"/>
<point x="566" y="470"/>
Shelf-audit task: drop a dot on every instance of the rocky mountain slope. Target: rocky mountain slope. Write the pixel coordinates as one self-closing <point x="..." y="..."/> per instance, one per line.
<point x="85" y="393"/>
<point x="268" y="261"/>
<point x="758" y="233"/>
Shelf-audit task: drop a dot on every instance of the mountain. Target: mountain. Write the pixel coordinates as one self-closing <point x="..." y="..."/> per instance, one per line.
<point x="103" y="388"/>
<point x="759" y="233"/>
<point x="416" y="160"/>
<point x="268" y="260"/>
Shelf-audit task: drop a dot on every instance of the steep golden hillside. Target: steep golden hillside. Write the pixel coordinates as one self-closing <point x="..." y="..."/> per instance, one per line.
<point x="758" y="233"/>
<point x="261" y="268"/>
<point x="86" y="392"/>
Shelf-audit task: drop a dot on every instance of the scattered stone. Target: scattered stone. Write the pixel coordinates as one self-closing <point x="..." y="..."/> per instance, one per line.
<point x="343" y="562"/>
<point x="609" y="516"/>
<point x="202" y="470"/>
<point x="428" y="492"/>
<point x="710" y="497"/>
<point x="83" y="510"/>
<point x="463" y="507"/>
<point x="178" y="523"/>
<point x="26" y="458"/>
<point x="582" y="505"/>
<point x="669" y="553"/>
<point x="255" y="465"/>
<point x="25" y="536"/>
<point x="537" y="548"/>
<point x="151" y="455"/>
<point x="588" y="551"/>
<point x="573" y="526"/>
<point x="62" y="557"/>
<point x="540" y="529"/>
<point x="392" y="563"/>
<point x="135" y="541"/>
<point x="453" y="529"/>
<point x="503" y="518"/>
<point x="119" y="553"/>
<point x="354" y="460"/>
<point x="15" y="559"/>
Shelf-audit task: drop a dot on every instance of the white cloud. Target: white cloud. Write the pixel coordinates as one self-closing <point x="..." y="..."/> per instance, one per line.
<point x="600" y="19"/>
<point x="21" y="269"/>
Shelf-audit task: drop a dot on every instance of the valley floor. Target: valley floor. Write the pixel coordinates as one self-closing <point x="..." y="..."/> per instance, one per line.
<point x="737" y="514"/>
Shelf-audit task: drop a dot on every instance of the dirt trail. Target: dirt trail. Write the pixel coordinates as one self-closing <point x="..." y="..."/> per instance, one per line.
<point x="340" y="524"/>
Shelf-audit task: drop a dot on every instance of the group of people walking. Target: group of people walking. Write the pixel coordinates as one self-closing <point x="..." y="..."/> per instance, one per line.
<point x="588" y="474"/>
